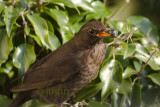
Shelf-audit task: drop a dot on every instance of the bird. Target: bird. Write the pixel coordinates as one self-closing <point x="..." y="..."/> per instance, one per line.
<point x="62" y="73"/>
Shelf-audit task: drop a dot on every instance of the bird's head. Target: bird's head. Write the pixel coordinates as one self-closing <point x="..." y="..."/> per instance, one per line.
<point x="94" y="30"/>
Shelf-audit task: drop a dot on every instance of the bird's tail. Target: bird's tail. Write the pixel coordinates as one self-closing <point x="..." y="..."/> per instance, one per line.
<point x="20" y="99"/>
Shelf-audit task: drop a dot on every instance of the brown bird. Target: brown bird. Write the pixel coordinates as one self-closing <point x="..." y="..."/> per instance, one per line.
<point x="62" y="73"/>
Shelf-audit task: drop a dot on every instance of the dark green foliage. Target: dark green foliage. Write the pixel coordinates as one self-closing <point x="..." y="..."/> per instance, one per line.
<point x="130" y="74"/>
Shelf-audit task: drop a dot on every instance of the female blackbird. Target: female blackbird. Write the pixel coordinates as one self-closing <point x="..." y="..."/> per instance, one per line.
<point x="62" y="73"/>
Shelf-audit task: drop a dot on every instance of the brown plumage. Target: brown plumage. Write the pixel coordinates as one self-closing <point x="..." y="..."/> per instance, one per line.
<point x="69" y="68"/>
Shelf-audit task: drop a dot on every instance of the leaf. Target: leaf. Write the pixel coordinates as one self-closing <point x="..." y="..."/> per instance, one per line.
<point x="10" y="16"/>
<point x="111" y="75"/>
<point x="37" y="39"/>
<point x="84" y="4"/>
<point x="129" y="72"/>
<point x="136" y="96"/>
<point x="137" y="65"/>
<point x="155" y="77"/>
<point x="65" y="2"/>
<point x="99" y="11"/>
<point x="27" y="30"/>
<point x="23" y="57"/>
<point x="62" y="19"/>
<point x="2" y="5"/>
<point x="145" y="25"/>
<point x="98" y="104"/>
<point x="125" y="87"/>
<point x="150" y="94"/>
<point x="4" y="101"/>
<point x="53" y="40"/>
<point x="5" y="46"/>
<point x="88" y="91"/>
<point x="40" y="27"/>
<point x="152" y="63"/>
<point x="129" y="50"/>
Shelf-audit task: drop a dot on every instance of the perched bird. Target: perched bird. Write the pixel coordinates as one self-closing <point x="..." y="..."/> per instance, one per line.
<point x="62" y="73"/>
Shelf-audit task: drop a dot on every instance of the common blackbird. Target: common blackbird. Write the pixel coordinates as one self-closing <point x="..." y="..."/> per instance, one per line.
<point x="62" y="73"/>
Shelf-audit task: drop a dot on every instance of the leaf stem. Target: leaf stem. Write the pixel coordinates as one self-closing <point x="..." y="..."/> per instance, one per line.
<point x="144" y="65"/>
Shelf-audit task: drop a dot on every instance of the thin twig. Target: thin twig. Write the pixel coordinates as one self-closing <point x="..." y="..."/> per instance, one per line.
<point x="144" y="65"/>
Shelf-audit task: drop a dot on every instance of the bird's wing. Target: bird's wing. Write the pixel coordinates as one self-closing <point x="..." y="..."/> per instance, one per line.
<point x="50" y="71"/>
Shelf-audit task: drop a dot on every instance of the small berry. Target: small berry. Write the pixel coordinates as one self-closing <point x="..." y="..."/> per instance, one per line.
<point x="28" y="6"/>
<point x="31" y="12"/>
<point x="24" y="23"/>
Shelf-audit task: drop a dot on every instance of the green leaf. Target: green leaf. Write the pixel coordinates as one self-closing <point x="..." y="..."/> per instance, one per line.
<point x="153" y="63"/>
<point x="2" y="5"/>
<point x="98" y="104"/>
<point x="5" y="46"/>
<point x="27" y="30"/>
<point x="84" y="4"/>
<point x="40" y="27"/>
<point x="53" y="40"/>
<point x="23" y="57"/>
<point x="155" y="77"/>
<point x="88" y="91"/>
<point x="137" y="65"/>
<point x="136" y="96"/>
<point x="62" y="19"/>
<point x="125" y="87"/>
<point x="10" y="16"/>
<point x="99" y="11"/>
<point x="111" y="75"/>
<point x="129" y="50"/>
<point x="145" y="25"/>
<point x="65" y="2"/>
<point x="4" y="101"/>
<point x="37" y="39"/>
<point x="150" y="94"/>
<point x="129" y="71"/>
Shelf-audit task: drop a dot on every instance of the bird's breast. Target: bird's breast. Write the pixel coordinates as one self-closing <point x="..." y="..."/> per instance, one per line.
<point x="93" y="58"/>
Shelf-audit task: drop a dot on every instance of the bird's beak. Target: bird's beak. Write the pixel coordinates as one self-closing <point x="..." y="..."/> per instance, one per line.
<point x="107" y="33"/>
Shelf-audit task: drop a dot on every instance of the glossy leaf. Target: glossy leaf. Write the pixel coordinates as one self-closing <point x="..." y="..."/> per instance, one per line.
<point x="136" y="96"/>
<point x="23" y="57"/>
<point x="137" y="65"/>
<point x="84" y="4"/>
<point x="62" y="19"/>
<point x="152" y="63"/>
<point x="129" y="50"/>
<point x="125" y="87"/>
<point x="99" y="11"/>
<point x="88" y="91"/>
<point x="145" y="25"/>
<point x="98" y="104"/>
<point x="37" y="39"/>
<point x="111" y="75"/>
<point x="129" y="71"/>
<point x="5" y="46"/>
<point x="53" y="40"/>
<point x="155" y="77"/>
<point x="65" y="2"/>
<point x="2" y="5"/>
<point x="40" y="27"/>
<point x="10" y="16"/>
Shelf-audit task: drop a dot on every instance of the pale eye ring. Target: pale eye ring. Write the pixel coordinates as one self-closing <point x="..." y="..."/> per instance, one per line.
<point x="91" y="31"/>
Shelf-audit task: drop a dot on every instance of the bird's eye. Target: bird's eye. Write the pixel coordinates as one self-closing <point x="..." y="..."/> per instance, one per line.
<point x="91" y="31"/>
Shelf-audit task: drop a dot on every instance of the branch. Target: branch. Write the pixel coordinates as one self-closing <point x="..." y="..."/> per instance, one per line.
<point x="144" y="65"/>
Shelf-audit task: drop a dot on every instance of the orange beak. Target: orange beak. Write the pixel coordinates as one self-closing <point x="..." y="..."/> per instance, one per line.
<point x="111" y="33"/>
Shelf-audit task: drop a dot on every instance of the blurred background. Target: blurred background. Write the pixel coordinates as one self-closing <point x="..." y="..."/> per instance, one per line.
<point x="147" y="8"/>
